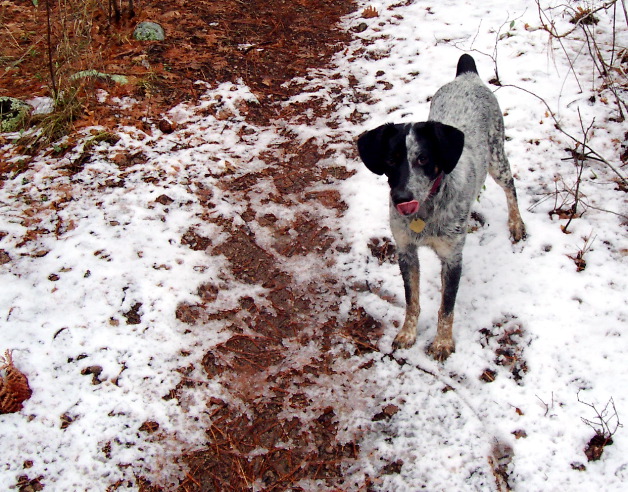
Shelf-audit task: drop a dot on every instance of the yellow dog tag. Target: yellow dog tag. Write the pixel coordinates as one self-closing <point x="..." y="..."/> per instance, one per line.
<point x="417" y="225"/>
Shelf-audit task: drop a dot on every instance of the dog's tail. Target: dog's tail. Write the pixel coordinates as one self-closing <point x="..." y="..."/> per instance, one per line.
<point x="466" y="64"/>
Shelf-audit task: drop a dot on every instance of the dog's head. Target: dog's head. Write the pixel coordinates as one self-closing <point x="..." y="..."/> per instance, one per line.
<point x="412" y="156"/>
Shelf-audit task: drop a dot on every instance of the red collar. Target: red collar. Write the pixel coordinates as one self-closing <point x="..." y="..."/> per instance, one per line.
<point x="436" y="184"/>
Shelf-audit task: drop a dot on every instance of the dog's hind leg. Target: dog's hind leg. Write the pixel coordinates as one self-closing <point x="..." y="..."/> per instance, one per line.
<point x="410" y="271"/>
<point x="499" y="169"/>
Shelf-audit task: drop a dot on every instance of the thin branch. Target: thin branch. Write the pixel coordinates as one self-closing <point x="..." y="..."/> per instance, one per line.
<point x="562" y="46"/>
<point x="604" y="418"/>
<point x="552" y="30"/>
<point x="574" y="139"/>
<point x="580" y="159"/>
<point x="49" y="39"/>
<point x="547" y="408"/>
<point x="614" y="33"/>
<point x="498" y="37"/>
<point x="588" y="205"/>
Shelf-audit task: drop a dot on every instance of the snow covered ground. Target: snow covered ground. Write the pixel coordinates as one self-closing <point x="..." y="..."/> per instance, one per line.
<point x="572" y="324"/>
<point x="69" y="301"/>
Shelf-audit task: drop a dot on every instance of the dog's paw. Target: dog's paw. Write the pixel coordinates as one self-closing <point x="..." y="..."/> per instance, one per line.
<point x="404" y="339"/>
<point x="440" y="350"/>
<point x="517" y="231"/>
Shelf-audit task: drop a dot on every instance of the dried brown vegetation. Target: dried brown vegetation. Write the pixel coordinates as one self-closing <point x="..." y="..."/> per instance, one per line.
<point x="14" y="388"/>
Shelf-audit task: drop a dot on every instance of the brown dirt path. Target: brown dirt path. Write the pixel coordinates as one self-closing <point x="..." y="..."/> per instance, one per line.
<point x="254" y="363"/>
<point x="282" y="438"/>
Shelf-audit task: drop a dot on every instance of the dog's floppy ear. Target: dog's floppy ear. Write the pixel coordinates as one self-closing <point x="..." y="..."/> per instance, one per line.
<point x="450" y="142"/>
<point x="374" y="147"/>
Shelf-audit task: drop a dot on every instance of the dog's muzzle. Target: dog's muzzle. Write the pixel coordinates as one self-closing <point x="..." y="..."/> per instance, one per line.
<point x="412" y="207"/>
<point x="408" y="208"/>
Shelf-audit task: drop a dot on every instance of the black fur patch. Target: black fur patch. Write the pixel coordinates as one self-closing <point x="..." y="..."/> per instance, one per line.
<point x="466" y="64"/>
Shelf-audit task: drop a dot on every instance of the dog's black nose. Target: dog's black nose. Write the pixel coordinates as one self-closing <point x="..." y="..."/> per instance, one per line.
<point x="401" y="196"/>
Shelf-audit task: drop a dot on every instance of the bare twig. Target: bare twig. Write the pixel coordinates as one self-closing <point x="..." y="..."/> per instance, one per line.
<point x="49" y="41"/>
<point x="583" y="18"/>
<point x="551" y="29"/>
<point x="579" y="159"/>
<point x="542" y="15"/>
<point x="606" y="422"/>
<point x="578" y="258"/>
<point x="498" y="37"/>
<point x="588" y="205"/>
<point x="558" y="126"/>
<point x="547" y="407"/>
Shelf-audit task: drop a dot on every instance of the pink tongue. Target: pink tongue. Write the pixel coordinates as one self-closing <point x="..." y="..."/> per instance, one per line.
<point x="408" y="208"/>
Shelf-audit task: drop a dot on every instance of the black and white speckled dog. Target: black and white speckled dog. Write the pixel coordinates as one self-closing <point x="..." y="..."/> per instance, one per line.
<point x="436" y="170"/>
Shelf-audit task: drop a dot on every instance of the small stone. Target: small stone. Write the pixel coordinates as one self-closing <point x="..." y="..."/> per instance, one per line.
<point x="361" y="27"/>
<point x="149" y="31"/>
<point x="166" y="126"/>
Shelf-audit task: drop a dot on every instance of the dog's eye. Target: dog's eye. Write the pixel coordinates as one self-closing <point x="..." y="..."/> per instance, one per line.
<point x="421" y="160"/>
<point x="396" y="157"/>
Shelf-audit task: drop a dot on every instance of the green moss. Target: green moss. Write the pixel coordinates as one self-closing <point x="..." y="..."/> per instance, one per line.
<point x="118" y="79"/>
<point x="149" y="31"/>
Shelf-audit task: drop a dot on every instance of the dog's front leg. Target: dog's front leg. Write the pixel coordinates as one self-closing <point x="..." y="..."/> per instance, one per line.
<point x="409" y="266"/>
<point x="443" y="345"/>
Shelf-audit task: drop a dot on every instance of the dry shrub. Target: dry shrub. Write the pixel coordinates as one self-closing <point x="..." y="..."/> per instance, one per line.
<point x="370" y="12"/>
<point x="14" y="388"/>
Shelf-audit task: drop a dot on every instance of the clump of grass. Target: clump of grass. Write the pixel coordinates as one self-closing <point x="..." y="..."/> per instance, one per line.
<point x="50" y="127"/>
<point x="75" y="34"/>
<point x="69" y="49"/>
